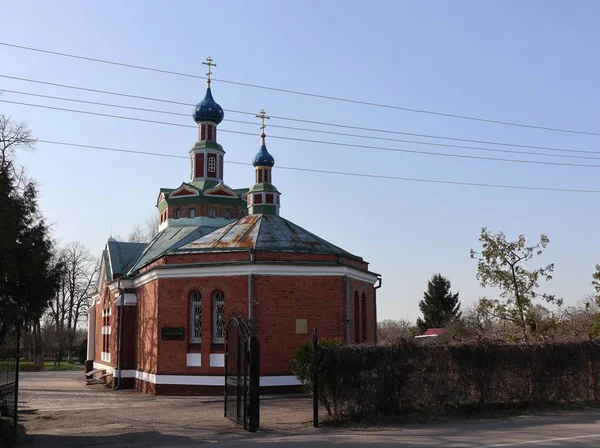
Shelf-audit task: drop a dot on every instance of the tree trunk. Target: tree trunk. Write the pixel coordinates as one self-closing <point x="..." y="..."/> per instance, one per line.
<point x="38" y="355"/>
<point x="519" y="304"/>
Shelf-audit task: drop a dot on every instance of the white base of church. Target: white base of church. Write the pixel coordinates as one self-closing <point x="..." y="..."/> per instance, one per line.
<point x="196" y="380"/>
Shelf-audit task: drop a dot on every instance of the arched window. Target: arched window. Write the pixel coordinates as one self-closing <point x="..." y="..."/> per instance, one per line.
<point x="227" y="214"/>
<point x="356" y="318"/>
<point x="177" y="214"/>
<point x="195" y="317"/>
<point x="218" y="317"/>
<point x="212" y="164"/>
<point x="364" y="317"/>
<point x="191" y="213"/>
<point x="212" y="213"/>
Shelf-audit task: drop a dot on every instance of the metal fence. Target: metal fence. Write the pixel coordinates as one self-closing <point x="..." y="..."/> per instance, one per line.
<point x="9" y="382"/>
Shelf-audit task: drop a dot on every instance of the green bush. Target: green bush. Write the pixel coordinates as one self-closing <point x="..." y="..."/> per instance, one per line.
<point x="302" y="367"/>
<point x="82" y="351"/>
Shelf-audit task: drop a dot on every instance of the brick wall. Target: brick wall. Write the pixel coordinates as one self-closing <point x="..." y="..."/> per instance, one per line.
<point x="174" y="311"/>
<point x="280" y="300"/>
<point x="146" y="329"/>
<point x="365" y="319"/>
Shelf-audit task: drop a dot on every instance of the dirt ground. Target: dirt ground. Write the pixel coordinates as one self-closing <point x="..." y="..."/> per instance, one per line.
<point x="58" y="409"/>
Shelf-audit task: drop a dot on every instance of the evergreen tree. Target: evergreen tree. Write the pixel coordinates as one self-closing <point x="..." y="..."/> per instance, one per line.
<point x="28" y="276"/>
<point x="439" y="306"/>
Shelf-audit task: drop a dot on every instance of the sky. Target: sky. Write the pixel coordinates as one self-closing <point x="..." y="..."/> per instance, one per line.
<point x="526" y="62"/>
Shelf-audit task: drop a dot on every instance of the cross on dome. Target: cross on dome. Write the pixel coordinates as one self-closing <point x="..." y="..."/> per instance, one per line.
<point x="263" y="116"/>
<point x="210" y="64"/>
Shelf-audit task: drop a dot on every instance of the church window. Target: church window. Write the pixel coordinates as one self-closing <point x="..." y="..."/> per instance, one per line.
<point x="195" y="317"/>
<point x="227" y="214"/>
<point x="212" y="164"/>
<point x="191" y="213"/>
<point x="177" y="214"/>
<point x="356" y="318"/>
<point x="212" y="213"/>
<point x="218" y="317"/>
<point x="364" y="317"/>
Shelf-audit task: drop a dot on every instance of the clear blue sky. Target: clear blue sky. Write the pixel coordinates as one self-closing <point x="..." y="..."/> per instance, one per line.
<point x="532" y="62"/>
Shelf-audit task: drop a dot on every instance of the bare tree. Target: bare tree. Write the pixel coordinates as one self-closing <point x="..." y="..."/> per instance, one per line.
<point x="13" y="136"/>
<point x="388" y="330"/>
<point x="77" y="280"/>
<point x="145" y="235"/>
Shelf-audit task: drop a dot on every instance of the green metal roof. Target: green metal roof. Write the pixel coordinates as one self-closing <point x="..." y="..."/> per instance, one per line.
<point x="264" y="233"/>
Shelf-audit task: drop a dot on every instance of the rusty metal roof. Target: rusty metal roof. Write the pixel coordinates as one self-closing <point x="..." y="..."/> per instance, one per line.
<point x="264" y="233"/>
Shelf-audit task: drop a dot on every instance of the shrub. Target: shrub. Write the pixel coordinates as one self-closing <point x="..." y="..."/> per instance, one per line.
<point x="302" y="367"/>
<point x="30" y="367"/>
<point x="365" y="381"/>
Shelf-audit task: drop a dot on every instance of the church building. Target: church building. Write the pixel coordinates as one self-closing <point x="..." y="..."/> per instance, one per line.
<point x="158" y="318"/>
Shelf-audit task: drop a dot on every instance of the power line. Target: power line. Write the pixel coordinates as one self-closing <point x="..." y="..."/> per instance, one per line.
<point x="307" y="94"/>
<point x="298" y="120"/>
<point x="369" y="137"/>
<point x="340" y="173"/>
<point x="320" y="142"/>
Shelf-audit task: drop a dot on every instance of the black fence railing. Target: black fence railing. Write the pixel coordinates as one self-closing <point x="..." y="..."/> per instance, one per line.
<point x="242" y="375"/>
<point x="9" y="382"/>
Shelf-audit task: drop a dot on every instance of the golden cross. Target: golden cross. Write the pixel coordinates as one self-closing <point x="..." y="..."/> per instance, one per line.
<point x="263" y="116"/>
<point x="210" y="64"/>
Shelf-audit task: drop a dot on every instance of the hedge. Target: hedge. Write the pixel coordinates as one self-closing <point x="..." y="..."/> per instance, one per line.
<point x="406" y="377"/>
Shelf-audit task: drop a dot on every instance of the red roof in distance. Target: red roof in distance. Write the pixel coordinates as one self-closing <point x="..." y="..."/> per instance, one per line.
<point x="435" y="331"/>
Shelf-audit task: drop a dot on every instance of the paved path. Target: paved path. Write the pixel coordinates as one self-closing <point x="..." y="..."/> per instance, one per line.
<point x="58" y="410"/>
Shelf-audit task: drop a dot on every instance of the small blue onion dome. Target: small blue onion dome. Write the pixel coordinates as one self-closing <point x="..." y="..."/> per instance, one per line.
<point x="263" y="158"/>
<point x="208" y="110"/>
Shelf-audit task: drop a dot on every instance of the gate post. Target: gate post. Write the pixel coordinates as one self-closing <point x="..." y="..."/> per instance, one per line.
<point x="254" y="414"/>
<point x="315" y="378"/>
<point x="17" y="359"/>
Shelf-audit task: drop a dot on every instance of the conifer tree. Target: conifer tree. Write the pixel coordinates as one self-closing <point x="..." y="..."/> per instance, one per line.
<point x="439" y="306"/>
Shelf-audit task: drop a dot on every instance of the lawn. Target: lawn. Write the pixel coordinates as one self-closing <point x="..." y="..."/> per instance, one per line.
<point x="26" y="366"/>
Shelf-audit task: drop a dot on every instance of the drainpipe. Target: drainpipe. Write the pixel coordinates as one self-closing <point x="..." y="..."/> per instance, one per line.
<point x="119" y="350"/>
<point x="250" y="290"/>
<point x="379" y="281"/>
<point x="250" y="298"/>
<point x="347" y="292"/>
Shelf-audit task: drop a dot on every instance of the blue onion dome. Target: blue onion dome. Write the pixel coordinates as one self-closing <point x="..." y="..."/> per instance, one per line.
<point x="208" y="110"/>
<point x="263" y="158"/>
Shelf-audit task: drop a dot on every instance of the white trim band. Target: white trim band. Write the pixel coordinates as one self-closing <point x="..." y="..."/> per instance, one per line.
<point x="205" y="380"/>
<point x="246" y="269"/>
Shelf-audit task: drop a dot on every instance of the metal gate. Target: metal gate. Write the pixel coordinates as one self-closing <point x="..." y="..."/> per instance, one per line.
<point x="241" y="374"/>
<point x="9" y="379"/>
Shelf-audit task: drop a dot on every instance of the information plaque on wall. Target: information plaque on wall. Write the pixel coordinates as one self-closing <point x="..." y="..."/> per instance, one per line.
<point x="173" y="333"/>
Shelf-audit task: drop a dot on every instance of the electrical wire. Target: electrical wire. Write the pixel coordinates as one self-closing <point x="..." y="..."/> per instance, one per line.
<point x="445" y="145"/>
<point x="299" y="120"/>
<point x="307" y="94"/>
<point x="320" y="142"/>
<point x="332" y="172"/>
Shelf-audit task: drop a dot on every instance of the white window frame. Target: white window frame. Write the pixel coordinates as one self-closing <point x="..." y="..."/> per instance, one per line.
<point x="218" y="316"/>
<point x="191" y="213"/>
<point x="212" y="213"/>
<point x="177" y="214"/>
<point x="212" y="164"/>
<point x="195" y="298"/>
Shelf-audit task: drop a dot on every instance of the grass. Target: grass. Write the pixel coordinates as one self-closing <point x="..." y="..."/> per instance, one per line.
<point x="26" y="366"/>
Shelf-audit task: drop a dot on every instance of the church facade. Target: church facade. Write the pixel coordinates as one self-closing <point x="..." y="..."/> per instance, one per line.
<point x="159" y="315"/>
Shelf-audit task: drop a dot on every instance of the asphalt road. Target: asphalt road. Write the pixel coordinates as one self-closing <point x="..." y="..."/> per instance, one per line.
<point x="58" y="410"/>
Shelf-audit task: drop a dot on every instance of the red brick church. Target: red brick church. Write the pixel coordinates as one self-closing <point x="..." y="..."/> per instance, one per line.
<point x="158" y="318"/>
